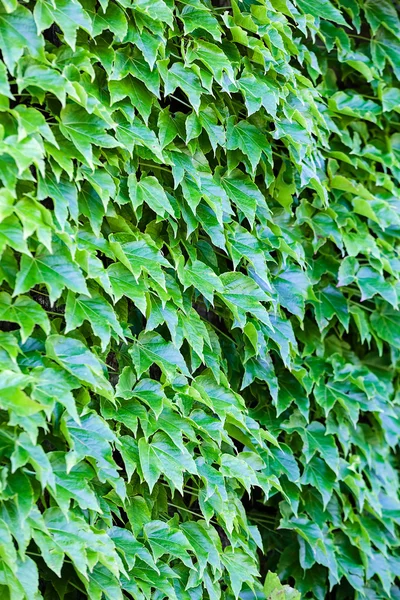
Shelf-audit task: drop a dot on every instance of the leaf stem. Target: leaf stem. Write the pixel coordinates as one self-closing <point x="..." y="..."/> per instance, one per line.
<point x="142" y="164"/>
<point x="181" y="101"/>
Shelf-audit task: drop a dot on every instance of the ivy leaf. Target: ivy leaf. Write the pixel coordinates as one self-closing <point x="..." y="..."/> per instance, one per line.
<point x="41" y="76"/>
<point x="151" y="393"/>
<point x="141" y="99"/>
<point x="247" y="138"/>
<point x="203" y="279"/>
<point x="97" y="311"/>
<point x="370" y="283"/>
<point x="385" y="322"/>
<point x="204" y="543"/>
<point x="113" y="19"/>
<point x="198" y="16"/>
<point x="158" y="10"/>
<point x="73" y="484"/>
<point x="323" y="9"/>
<point x="149" y="463"/>
<point x="131" y="548"/>
<point x="180" y="76"/>
<point x="382" y="13"/>
<point x="26" y="452"/>
<point x="317" y="440"/>
<point x="69" y="15"/>
<point x="240" y="568"/>
<point x="138" y="255"/>
<point x="152" y="348"/>
<point x="259" y="92"/>
<point x="242" y="295"/>
<point x="127" y="62"/>
<point x="172" y="460"/>
<point x="318" y="474"/>
<point x="11" y="234"/>
<point x="14" y="398"/>
<point x="123" y="283"/>
<point x="164" y="539"/>
<point x="25" y="312"/>
<point x="31" y="121"/>
<point x="330" y="303"/>
<point x="244" y="193"/>
<point x="84" y="129"/>
<point x="17" y="32"/>
<point x="56" y="270"/>
<point x="55" y="385"/>
<point x="292" y="286"/>
<point x="74" y="356"/>
<point x="150" y="191"/>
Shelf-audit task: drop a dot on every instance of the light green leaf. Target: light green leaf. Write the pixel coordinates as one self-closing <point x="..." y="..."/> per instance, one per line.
<point x="150" y="191"/>
<point x="74" y="356"/>
<point x="25" y="312"/>
<point x="151" y="348"/>
<point x="97" y="311"/>
<point x="18" y="32"/>
<point x="56" y="270"/>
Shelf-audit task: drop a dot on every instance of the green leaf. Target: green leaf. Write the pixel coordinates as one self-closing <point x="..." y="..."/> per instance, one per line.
<point x="180" y="76"/>
<point x="258" y="92"/>
<point x="158" y="10"/>
<point x="204" y="542"/>
<point x="200" y="17"/>
<point x="26" y="452"/>
<point x="25" y="312"/>
<point x="69" y="15"/>
<point x="151" y="393"/>
<point x="73" y="484"/>
<point x="318" y="474"/>
<point x="370" y="283"/>
<point x="244" y="193"/>
<point x="124" y="284"/>
<point x="75" y="358"/>
<point x="385" y="322"/>
<point x="317" y="440"/>
<point x="242" y="295"/>
<point x="203" y="279"/>
<point x="149" y="463"/>
<point x="138" y="255"/>
<point x="55" y="385"/>
<point x="164" y="539"/>
<point x="323" y="9"/>
<point x="241" y="568"/>
<point x="248" y="139"/>
<point x="18" y="32"/>
<point x="292" y="286"/>
<point x="151" y="348"/>
<point x="150" y="191"/>
<point x="90" y="438"/>
<point x="382" y="13"/>
<point x="97" y="311"/>
<point x="84" y="129"/>
<point x="273" y="589"/>
<point x="331" y="303"/>
<point x="56" y="270"/>
<point x="44" y="78"/>
<point x="13" y="397"/>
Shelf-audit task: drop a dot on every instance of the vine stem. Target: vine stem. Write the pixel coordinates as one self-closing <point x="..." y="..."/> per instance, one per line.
<point x="155" y="167"/>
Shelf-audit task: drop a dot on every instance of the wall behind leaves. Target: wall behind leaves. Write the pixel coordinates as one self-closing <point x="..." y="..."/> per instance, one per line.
<point x="200" y="334"/>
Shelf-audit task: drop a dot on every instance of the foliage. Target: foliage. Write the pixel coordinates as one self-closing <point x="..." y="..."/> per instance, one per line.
<point x="200" y="332"/>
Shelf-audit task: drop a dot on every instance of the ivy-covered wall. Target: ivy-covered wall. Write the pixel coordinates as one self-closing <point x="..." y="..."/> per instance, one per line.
<point x="200" y="334"/>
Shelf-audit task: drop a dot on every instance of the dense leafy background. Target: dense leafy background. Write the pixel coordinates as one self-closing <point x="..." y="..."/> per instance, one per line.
<point x="200" y="334"/>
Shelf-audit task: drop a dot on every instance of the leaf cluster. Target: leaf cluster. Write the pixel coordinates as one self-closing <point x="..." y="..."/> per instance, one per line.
<point x="199" y="304"/>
